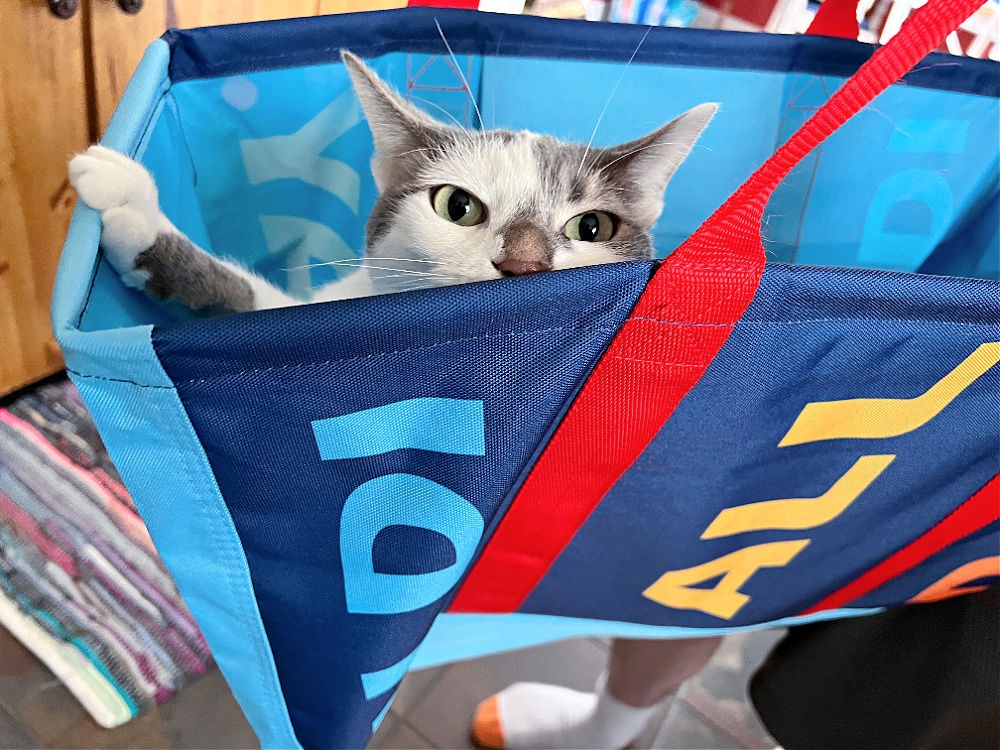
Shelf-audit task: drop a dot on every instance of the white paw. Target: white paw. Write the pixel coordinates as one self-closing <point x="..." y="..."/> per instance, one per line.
<point x="125" y="195"/>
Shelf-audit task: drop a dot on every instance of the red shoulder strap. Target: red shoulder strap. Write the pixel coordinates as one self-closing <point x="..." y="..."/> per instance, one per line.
<point x="682" y="319"/>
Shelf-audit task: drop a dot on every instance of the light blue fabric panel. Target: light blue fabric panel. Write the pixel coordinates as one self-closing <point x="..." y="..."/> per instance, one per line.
<point x="162" y="151"/>
<point x="896" y="179"/>
<point x="158" y="455"/>
<point x="882" y="192"/>
<point x="150" y="439"/>
<point x="454" y="637"/>
<point x="81" y="273"/>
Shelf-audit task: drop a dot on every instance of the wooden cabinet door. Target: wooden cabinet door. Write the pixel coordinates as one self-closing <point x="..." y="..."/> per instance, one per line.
<point x="120" y="39"/>
<point x="43" y="121"/>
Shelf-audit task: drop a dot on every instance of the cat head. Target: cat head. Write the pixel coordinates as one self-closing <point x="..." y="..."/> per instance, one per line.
<point x="481" y="204"/>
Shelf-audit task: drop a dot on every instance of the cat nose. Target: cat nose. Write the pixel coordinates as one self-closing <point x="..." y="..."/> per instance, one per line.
<point x="518" y="267"/>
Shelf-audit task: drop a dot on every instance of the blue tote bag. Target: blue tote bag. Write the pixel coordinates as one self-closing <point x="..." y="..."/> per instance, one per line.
<point x="347" y="490"/>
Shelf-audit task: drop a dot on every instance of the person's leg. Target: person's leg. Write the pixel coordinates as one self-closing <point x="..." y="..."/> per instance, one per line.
<point x="640" y="674"/>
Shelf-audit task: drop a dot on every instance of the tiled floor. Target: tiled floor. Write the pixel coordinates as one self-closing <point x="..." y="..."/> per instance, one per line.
<point x="433" y="707"/>
<point x="431" y="710"/>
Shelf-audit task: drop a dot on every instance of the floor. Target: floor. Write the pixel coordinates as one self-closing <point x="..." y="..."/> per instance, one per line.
<point x="431" y="710"/>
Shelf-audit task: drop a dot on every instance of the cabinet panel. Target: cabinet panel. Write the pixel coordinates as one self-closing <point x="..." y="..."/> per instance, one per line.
<point x="43" y="120"/>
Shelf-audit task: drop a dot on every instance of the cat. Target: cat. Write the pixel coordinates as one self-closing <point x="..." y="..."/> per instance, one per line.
<point x="454" y="206"/>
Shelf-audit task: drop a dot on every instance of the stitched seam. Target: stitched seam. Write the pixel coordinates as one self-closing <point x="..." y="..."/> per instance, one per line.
<point x="389" y="47"/>
<point x="118" y="380"/>
<point x="364" y="357"/>
<point x="233" y="567"/>
<point x="90" y="284"/>
<point x="658" y="362"/>
<point x="196" y="381"/>
<point x="812" y="320"/>
<point x="679" y="323"/>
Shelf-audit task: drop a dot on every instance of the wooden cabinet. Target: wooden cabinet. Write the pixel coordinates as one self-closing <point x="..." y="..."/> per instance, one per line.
<point x="43" y="120"/>
<point x="59" y="82"/>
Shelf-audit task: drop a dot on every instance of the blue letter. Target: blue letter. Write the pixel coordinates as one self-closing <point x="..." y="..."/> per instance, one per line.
<point x="442" y="425"/>
<point x="407" y="500"/>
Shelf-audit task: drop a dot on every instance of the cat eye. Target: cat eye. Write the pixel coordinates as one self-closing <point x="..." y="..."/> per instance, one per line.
<point x="593" y="226"/>
<point x="457" y="205"/>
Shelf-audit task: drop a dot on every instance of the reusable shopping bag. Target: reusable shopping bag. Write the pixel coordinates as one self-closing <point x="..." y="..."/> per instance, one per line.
<point x="346" y="490"/>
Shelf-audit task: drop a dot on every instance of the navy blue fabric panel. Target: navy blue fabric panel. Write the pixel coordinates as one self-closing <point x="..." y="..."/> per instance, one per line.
<point x="810" y="335"/>
<point x="245" y="48"/>
<point x="254" y="384"/>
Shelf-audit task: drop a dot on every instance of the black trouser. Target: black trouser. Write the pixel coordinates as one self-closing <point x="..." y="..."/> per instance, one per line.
<point x="924" y="676"/>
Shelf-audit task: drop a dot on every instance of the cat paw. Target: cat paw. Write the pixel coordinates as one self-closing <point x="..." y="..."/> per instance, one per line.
<point x="125" y="195"/>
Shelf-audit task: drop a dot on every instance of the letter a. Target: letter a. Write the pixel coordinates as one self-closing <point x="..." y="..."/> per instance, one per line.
<point x="725" y="599"/>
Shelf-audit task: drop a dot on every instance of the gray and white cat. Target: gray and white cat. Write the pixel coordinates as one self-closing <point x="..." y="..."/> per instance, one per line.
<point x="454" y="206"/>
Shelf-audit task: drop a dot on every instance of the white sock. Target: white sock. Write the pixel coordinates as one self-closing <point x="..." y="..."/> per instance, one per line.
<point x="534" y="716"/>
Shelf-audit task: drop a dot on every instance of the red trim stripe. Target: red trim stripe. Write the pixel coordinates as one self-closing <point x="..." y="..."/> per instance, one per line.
<point x="978" y="511"/>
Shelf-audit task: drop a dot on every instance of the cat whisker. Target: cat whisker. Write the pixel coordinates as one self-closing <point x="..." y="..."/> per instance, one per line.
<point x="396" y="276"/>
<point x="458" y="69"/>
<point x="356" y="261"/>
<point x="416" y="150"/>
<point x="320" y="265"/>
<point x="401" y="270"/>
<point x="493" y="123"/>
<point x="405" y="260"/>
<point x="438" y="106"/>
<point x="610" y="97"/>
<point x="361" y="263"/>
<point x="412" y="287"/>
<point x="634" y="151"/>
<point x="352" y="262"/>
<point x="436" y="271"/>
<point x="433" y="279"/>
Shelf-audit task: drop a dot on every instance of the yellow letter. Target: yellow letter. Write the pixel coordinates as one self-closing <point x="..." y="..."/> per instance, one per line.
<point x="725" y="599"/>
<point x="888" y="417"/>
<point x="800" y="512"/>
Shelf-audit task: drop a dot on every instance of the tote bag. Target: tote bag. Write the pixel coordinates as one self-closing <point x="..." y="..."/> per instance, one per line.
<point x="346" y="490"/>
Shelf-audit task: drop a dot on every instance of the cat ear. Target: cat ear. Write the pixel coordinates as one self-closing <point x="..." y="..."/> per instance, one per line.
<point x="649" y="162"/>
<point x="399" y="129"/>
